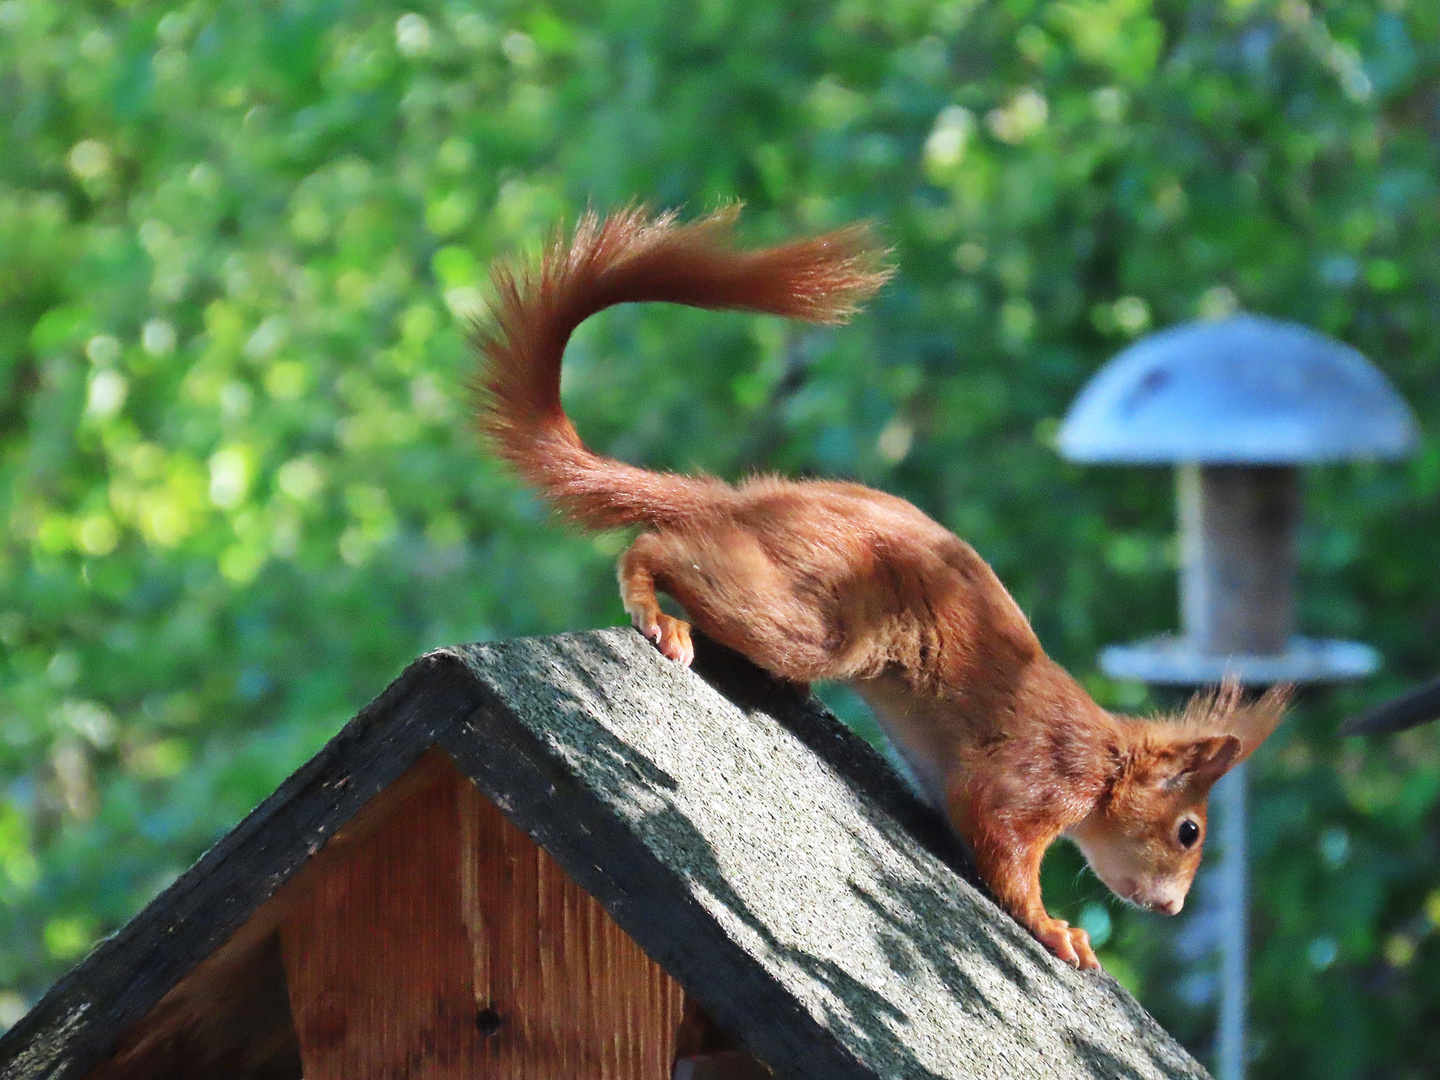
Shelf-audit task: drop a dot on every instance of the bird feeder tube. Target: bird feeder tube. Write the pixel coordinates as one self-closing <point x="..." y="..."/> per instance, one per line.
<point x="1238" y="562"/>
<point x="1237" y="570"/>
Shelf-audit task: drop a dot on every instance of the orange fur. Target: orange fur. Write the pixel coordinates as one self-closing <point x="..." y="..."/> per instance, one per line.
<point x="827" y="580"/>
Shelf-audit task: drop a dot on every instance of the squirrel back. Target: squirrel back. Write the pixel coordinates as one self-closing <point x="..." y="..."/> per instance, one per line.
<point x="628" y="257"/>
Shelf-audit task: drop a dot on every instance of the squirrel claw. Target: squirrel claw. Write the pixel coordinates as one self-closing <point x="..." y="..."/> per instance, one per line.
<point x="1080" y="942"/>
<point x="1070" y="944"/>
<point x="671" y="636"/>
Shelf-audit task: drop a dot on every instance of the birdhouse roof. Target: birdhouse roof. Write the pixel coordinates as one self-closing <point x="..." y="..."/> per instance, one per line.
<point x="1245" y="390"/>
<point x="765" y="857"/>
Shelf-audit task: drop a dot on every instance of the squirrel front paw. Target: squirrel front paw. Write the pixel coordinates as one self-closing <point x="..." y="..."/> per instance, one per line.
<point x="1069" y="943"/>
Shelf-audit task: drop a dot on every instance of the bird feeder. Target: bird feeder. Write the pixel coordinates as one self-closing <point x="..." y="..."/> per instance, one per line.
<point x="1237" y="406"/>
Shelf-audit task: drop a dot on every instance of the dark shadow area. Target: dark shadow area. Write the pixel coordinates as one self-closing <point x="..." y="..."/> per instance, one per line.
<point x="1103" y="1063"/>
<point x="229" y="1017"/>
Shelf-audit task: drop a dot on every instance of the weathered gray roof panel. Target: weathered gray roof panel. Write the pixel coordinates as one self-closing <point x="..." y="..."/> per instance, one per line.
<point x="768" y="859"/>
<point x="846" y="946"/>
<point x="1246" y="390"/>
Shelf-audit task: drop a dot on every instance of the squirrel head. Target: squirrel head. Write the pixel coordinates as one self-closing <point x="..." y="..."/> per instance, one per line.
<point x="1145" y="837"/>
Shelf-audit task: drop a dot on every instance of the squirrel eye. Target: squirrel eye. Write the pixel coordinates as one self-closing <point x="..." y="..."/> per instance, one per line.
<point x="1188" y="833"/>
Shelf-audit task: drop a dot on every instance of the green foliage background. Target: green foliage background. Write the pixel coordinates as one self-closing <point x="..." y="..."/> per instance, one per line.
<point x="238" y="240"/>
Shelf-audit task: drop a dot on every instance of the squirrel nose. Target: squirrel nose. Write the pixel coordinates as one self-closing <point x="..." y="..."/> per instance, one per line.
<point x="1170" y="907"/>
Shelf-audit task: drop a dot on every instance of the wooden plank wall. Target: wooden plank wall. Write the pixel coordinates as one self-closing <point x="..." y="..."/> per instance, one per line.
<point x="433" y="939"/>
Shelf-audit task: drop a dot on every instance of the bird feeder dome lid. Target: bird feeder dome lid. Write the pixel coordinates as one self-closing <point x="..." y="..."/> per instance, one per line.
<point x="1245" y="390"/>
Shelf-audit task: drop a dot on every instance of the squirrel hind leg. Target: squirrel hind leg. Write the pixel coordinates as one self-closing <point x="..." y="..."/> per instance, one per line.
<point x="637" y="591"/>
<point x="673" y="639"/>
<point x="733" y="594"/>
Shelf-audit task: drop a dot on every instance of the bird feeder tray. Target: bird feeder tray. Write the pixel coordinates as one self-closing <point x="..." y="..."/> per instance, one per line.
<point x="1171" y="660"/>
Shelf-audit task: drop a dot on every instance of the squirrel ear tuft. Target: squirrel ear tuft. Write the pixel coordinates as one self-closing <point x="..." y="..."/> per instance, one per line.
<point x="1255" y="722"/>
<point x="1224" y="710"/>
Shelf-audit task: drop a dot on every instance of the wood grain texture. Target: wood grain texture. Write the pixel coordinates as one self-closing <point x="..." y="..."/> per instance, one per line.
<point x="376" y="952"/>
<point x="433" y="910"/>
<point x="229" y="1017"/>
<point x="574" y="995"/>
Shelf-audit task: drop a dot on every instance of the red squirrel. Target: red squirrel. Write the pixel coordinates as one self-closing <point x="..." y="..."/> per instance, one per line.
<point x="821" y="579"/>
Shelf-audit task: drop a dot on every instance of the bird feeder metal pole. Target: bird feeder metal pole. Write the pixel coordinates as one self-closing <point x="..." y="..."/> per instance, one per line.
<point x="1233" y="871"/>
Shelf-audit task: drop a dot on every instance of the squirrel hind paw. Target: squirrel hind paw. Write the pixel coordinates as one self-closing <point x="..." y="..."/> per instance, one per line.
<point x="672" y="638"/>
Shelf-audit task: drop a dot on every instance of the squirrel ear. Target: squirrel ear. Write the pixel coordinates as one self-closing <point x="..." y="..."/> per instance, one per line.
<point x="1206" y="760"/>
<point x="1201" y="760"/>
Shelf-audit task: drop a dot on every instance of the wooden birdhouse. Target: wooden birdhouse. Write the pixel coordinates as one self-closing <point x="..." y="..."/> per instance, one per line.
<point x="571" y="859"/>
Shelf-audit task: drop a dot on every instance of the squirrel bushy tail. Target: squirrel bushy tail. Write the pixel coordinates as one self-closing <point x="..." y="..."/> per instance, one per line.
<point x="628" y="257"/>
